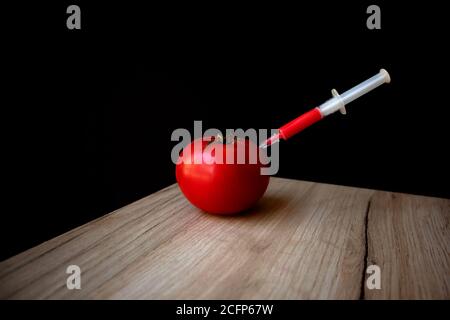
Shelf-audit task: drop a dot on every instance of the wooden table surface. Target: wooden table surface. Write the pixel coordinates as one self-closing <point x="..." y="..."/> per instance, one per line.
<point x="303" y="240"/>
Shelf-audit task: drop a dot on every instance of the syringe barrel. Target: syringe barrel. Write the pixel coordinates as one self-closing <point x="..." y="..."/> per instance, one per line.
<point x="330" y="106"/>
<point x="366" y="86"/>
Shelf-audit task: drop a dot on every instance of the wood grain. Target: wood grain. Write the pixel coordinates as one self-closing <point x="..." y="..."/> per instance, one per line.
<point x="409" y="239"/>
<point x="303" y="240"/>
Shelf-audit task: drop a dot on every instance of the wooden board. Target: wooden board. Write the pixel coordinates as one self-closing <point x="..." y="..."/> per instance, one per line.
<point x="303" y="240"/>
<point x="409" y="238"/>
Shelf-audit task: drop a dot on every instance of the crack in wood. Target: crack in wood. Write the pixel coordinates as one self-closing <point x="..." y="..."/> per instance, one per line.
<point x="362" y="291"/>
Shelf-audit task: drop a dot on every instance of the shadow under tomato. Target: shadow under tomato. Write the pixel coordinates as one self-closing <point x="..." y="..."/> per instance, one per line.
<point x="267" y="205"/>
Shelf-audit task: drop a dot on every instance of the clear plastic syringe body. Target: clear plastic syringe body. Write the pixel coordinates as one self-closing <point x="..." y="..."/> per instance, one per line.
<point x="366" y="86"/>
<point x="337" y="102"/>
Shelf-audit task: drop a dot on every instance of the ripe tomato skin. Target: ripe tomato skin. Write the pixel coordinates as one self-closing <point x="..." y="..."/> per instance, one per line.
<point x="220" y="188"/>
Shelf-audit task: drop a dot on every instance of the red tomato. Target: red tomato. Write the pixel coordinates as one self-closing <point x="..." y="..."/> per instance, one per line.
<point x="220" y="188"/>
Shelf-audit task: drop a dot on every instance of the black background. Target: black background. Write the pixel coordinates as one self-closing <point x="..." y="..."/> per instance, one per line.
<point x="87" y="114"/>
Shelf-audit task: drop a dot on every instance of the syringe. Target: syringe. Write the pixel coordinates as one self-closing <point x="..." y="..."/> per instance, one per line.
<point x="334" y="104"/>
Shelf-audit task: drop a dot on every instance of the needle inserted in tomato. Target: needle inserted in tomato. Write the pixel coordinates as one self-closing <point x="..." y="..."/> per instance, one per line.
<point x="334" y="104"/>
